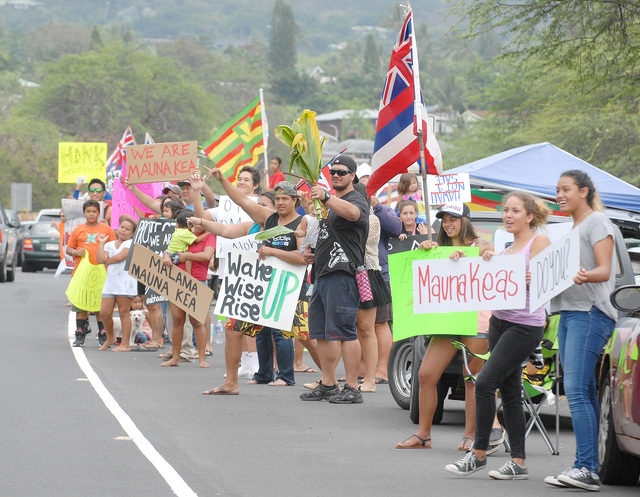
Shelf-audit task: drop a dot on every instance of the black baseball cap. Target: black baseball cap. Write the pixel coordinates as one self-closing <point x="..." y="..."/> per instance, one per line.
<point x="345" y="160"/>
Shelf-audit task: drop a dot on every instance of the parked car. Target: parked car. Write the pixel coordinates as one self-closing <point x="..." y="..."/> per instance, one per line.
<point x="8" y="247"/>
<point x="48" y="215"/>
<point x="42" y="248"/>
<point x="406" y="355"/>
<point x="20" y="232"/>
<point x="619" y="430"/>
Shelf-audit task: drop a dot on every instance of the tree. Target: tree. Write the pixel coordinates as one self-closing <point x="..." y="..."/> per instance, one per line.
<point x="371" y="64"/>
<point x="82" y="97"/>
<point x="282" y="53"/>
<point x="596" y="39"/>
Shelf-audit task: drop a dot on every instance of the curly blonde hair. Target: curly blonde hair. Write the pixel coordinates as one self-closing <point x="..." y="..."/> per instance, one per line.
<point x="532" y="205"/>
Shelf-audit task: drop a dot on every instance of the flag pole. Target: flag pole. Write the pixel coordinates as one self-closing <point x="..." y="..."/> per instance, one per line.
<point x="265" y="140"/>
<point x="417" y="108"/>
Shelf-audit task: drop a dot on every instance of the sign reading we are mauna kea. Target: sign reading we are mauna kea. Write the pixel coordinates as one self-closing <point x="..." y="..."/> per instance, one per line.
<point x="161" y="161"/>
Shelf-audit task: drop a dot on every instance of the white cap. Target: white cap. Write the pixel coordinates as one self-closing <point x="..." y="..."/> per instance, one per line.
<point x="363" y="170"/>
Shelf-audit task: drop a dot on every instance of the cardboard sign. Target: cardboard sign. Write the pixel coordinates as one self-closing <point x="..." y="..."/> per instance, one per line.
<point x="85" y="288"/>
<point x="405" y="322"/>
<point x="77" y="160"/>
<point x="470" y="283"/>
<point x="124" y="200"/>
<point x="179" y="287"/>
<point x="447" y="188"/>
<point x="553" y="269"/>
<point x="411" y="243"/>
<point x="155" y="162"/>
<point x="154" y="234"/>
<point x="260" y="292"/>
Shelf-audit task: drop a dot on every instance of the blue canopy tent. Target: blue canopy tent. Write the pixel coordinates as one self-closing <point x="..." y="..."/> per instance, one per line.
<point x="537" y="168"/>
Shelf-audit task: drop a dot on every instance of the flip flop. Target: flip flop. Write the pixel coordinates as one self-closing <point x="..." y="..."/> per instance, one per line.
<point x="219" y="391"/>
<point x="208" y="352"/>
<point x="463" y="445"/>
<point x="308" y="370"/>
<point x="421" y="445"/>
<point x="381" y="381"/>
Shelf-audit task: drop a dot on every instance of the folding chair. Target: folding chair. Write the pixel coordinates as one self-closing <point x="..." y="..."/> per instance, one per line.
<point x="540" y="381"/>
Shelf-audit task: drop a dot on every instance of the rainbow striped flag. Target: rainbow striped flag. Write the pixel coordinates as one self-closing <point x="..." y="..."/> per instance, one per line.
<point x="238" y="142"/>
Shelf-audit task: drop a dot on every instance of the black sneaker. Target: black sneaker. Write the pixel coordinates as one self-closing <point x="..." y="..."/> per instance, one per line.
<point x="79" y="341"/>
<point x="349" y="395"/>
<point x="580" y="478"/>
<point x="102" y="337"/>
<point x="321" y="393"/>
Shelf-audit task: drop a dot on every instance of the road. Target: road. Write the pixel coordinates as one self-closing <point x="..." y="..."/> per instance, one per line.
<point x="59" y="438"/>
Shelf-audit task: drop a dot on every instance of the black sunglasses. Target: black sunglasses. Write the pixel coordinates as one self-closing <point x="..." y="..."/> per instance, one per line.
<point x="96" y="190"/>
<point x="339" y="172"/>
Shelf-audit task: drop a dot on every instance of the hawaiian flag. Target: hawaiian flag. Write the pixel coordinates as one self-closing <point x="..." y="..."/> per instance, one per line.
<point x="402" y="114"/>
<point x="117" y="158"/>
<point x="238" y="142"/>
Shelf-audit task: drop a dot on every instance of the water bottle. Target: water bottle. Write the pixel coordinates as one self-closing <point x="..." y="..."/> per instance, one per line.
<point x="219" y="332"/>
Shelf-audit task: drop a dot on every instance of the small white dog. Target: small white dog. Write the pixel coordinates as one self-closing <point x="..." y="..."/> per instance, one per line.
<point x="137" y="320"/>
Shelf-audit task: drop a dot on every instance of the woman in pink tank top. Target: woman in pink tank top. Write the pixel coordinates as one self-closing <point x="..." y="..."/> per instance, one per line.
<point x="513" y="335"/>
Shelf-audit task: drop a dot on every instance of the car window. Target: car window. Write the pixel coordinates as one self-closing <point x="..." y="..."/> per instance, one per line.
<point x="44" y="229"/>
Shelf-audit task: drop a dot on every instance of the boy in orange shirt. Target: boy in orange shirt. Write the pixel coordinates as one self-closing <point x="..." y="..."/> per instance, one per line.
<point x="84" y="238"/>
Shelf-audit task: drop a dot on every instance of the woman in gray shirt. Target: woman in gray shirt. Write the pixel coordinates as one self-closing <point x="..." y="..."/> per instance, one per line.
<point x="586" y="323"/>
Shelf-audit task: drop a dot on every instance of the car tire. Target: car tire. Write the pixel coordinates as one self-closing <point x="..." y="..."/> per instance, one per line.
<point x="614" y="466"/>
<point x="27" y="267"/>
<point x="11" y="273"/>
<point x="419" y="349"/>
<point x="399" y="371"/>
<point x="3" y="270"/>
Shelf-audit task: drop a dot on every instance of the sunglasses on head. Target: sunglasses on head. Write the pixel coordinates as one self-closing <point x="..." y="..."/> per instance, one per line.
<point x="339" y="172"/>
<point x="96" y="190"/>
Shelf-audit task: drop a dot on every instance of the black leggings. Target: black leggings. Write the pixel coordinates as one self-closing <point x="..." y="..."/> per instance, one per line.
<point x="510" y="345"/>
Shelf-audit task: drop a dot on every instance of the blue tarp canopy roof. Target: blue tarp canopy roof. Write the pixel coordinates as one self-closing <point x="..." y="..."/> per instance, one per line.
<point x="538" y="167"/>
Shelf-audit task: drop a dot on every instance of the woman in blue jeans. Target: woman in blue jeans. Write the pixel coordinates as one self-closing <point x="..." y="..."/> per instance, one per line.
<point x="587" y="320"/>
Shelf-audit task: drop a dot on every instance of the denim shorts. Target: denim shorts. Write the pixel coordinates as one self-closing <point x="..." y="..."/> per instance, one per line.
<point x="333" y="307"/>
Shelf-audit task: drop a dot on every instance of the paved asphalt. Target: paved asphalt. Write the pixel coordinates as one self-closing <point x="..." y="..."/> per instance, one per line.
<point x="58" y="438"/>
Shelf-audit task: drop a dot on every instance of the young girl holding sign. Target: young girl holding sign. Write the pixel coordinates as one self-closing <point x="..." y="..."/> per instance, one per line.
<point x="587" y="320"/>
<point x="456" y="230"/>
<point x="513" y="336"/>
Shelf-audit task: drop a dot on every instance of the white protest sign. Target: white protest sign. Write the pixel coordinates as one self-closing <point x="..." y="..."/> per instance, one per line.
<point x="260" y="292"/>
<point x="226" y="245"/>
<point x="228" y="212"/>
<point x="553" y="269"/>
<point x="447" y="188"/>
<point x="469" y="284"/>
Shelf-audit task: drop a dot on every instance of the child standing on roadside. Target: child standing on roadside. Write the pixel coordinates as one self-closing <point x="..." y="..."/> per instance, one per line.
<point x="84" y="239"/>
<point x="119" y="288"/>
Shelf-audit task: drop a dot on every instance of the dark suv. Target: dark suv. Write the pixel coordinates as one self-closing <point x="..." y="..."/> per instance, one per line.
<point x="8" y="246"/>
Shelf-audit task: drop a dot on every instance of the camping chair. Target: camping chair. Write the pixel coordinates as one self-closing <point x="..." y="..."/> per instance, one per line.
<point x="537" y="388"/>
<point x="540" y="381"/>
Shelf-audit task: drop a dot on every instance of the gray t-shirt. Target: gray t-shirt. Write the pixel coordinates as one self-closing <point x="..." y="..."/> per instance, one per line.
<point x="594" y="228"/>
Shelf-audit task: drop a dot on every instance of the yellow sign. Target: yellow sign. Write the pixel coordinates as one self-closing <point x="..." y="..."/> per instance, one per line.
<point x="81" y="160"/>
<point x="85" y="289"/>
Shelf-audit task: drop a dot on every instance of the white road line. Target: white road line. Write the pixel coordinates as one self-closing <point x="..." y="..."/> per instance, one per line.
<point x="170" y="475"/>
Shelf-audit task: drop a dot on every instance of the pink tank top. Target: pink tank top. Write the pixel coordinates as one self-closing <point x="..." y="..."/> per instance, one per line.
<point x="523" y="316"/>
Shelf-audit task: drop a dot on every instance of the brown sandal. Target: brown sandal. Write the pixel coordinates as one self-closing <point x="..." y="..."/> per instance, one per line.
<point x="422" y="445"/>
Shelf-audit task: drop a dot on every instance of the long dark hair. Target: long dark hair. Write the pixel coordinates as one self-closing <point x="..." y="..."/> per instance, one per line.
<point x="467" y="232"/>
<point x="582" y="180"/>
